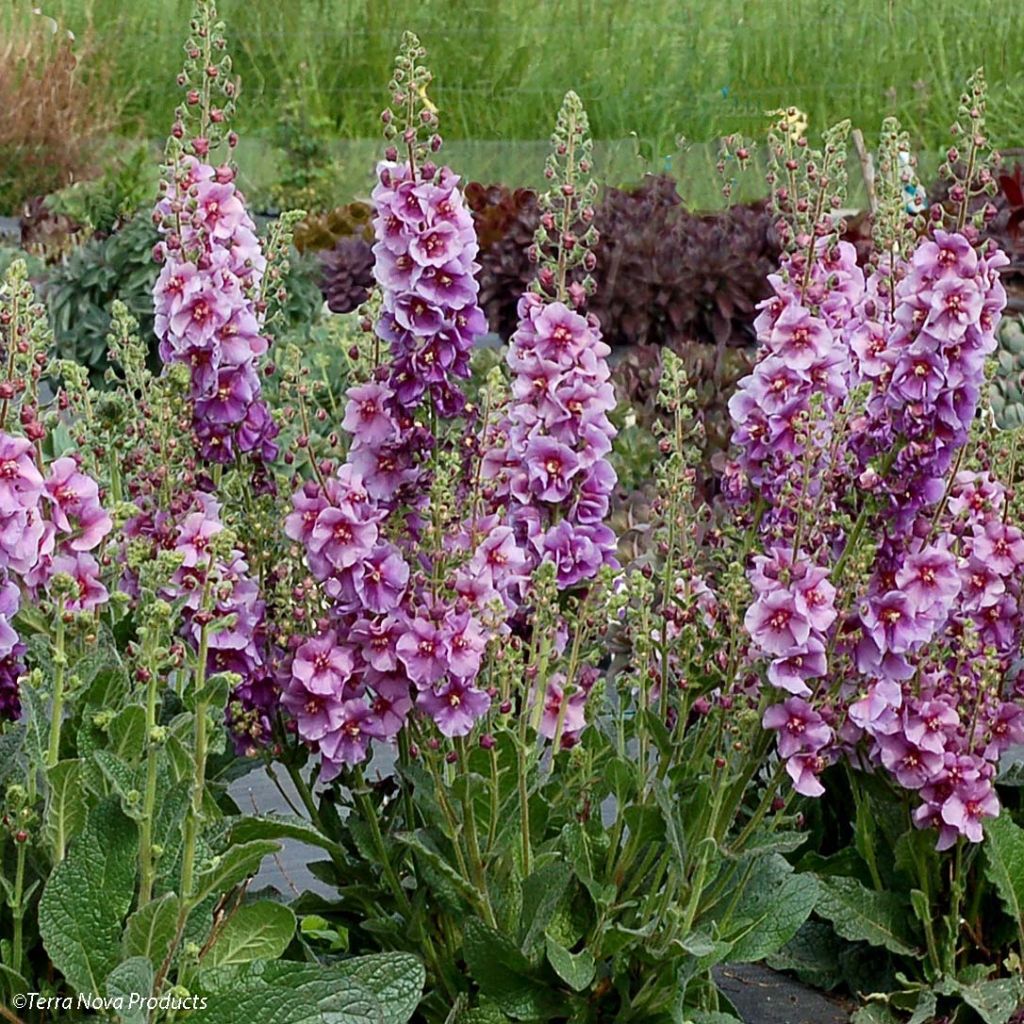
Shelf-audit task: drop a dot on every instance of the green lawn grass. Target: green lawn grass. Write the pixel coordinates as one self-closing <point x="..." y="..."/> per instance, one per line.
<point x="660" y="68"/>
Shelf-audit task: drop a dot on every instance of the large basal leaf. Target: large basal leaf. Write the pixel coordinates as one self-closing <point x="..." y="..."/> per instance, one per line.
<point x="282" y="826"/>
<point x="443" y="880"/>
<point x="87" y="897"/>
<point x="874" y="1013"/>
<point x="575" y="969"/>
<point x="256" y="931"/>
<point x="859" y="913"/>
<point x="395" y="979"/>
<point x="812" y="955"/>
<point x="542" y="892"/>
<point x="381" y="989"/>
<point x="996" y="1001"/>
<point x="774" y="903"/>
<point x="11" y="743"/>
<point x="503" y="974"/>
<point x="1004" y="864"/>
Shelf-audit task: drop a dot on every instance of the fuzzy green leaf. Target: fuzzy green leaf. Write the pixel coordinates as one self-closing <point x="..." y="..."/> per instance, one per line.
<point x="542" y="892"/>
<point x="151" y="929"/>
<point x="279" y="827"/>
<point x="132" y="977"/>
<point x="87" y="897"/>
<point x="504" y="974"/>
<point x="65" y="806"/>
<point x="381" y="989"/>
<point x="395" y="979"/>
<point x="774" y="903"/>
<point x="995" y="1001"/>
<point x="257" y="931"/>
<point x="233" y="867"/>
<point x="11" y="743"/>
<point x="1004" y="864"/>
<point x="859" y="913"/>
<point x="575" y="969"/>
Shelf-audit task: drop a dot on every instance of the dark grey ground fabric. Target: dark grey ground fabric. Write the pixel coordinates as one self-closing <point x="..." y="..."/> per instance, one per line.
<point x="763" y="996"/>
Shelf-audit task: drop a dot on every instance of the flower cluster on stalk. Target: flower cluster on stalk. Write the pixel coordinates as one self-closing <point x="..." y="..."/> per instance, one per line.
<point x="548" y="456"/>
<point x="395" y="636"/>
<point x="51" y="518"/>
<point x="209" y="304"/>
<point x="886" y="600"/>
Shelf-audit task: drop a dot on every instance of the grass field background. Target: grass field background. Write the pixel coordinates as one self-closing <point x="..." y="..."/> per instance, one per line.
<point x="659" y="68"/>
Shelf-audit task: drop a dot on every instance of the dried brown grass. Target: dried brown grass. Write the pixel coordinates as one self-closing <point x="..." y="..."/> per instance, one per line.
<point x="53" y="118"/>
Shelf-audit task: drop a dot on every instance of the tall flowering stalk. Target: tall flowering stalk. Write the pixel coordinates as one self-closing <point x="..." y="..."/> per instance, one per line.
<point x="52" y="521"/>
<point x="401" y="628"/>
<point x="209" y="305"/>
<point x="886" y="597"/>
<point x="211" y="310"/>
<point x="548" y="457"/>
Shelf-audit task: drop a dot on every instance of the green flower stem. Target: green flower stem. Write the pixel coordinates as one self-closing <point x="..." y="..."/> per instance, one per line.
<point x="59" y="664"/>
<point x="869" y="847"/>
<point x="955" y="900"/>
<point x="524" y="801"/>
<point x="404" y="760"/>
<point x="570" y="678"/>
<point x="476" y="862"/>
<point x="18" y="907"/>
<point x="188" y="857"/>
<point x="369" y="814"/>
<point x="924" y="881"/>
<point x="441" y="791"/>
<point x="759" y="814"/>
<point x="495" y="794"/>
<point x="306" y="796"/>
<point x="697" y="887"/>
<point x="146" y="859"/>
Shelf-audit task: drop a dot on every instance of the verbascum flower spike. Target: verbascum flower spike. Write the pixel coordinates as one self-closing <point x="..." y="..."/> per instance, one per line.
<point x="548" y="457"/>
<point x="209" y="311"/>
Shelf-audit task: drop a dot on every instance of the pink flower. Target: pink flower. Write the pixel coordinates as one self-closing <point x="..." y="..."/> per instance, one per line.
<point x="423" y="651"/>
<point x="21" y="484"/>
<point x="776" y="624"/>
<point x="969" y="804"/>
<point x="322" y="666"/>
<point x="466" y="643"/>
<point x="383" y="578"/>
<point x="801" y="729"/>
<point x="340" y="538"/>
<point x="455" y="707"/>
<point x="574" y="717"/>
<point x="367" y="416"/>
<point x="349" y="742"/>
<point x="76" y="496"/>
<point x="550" y="468"/>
